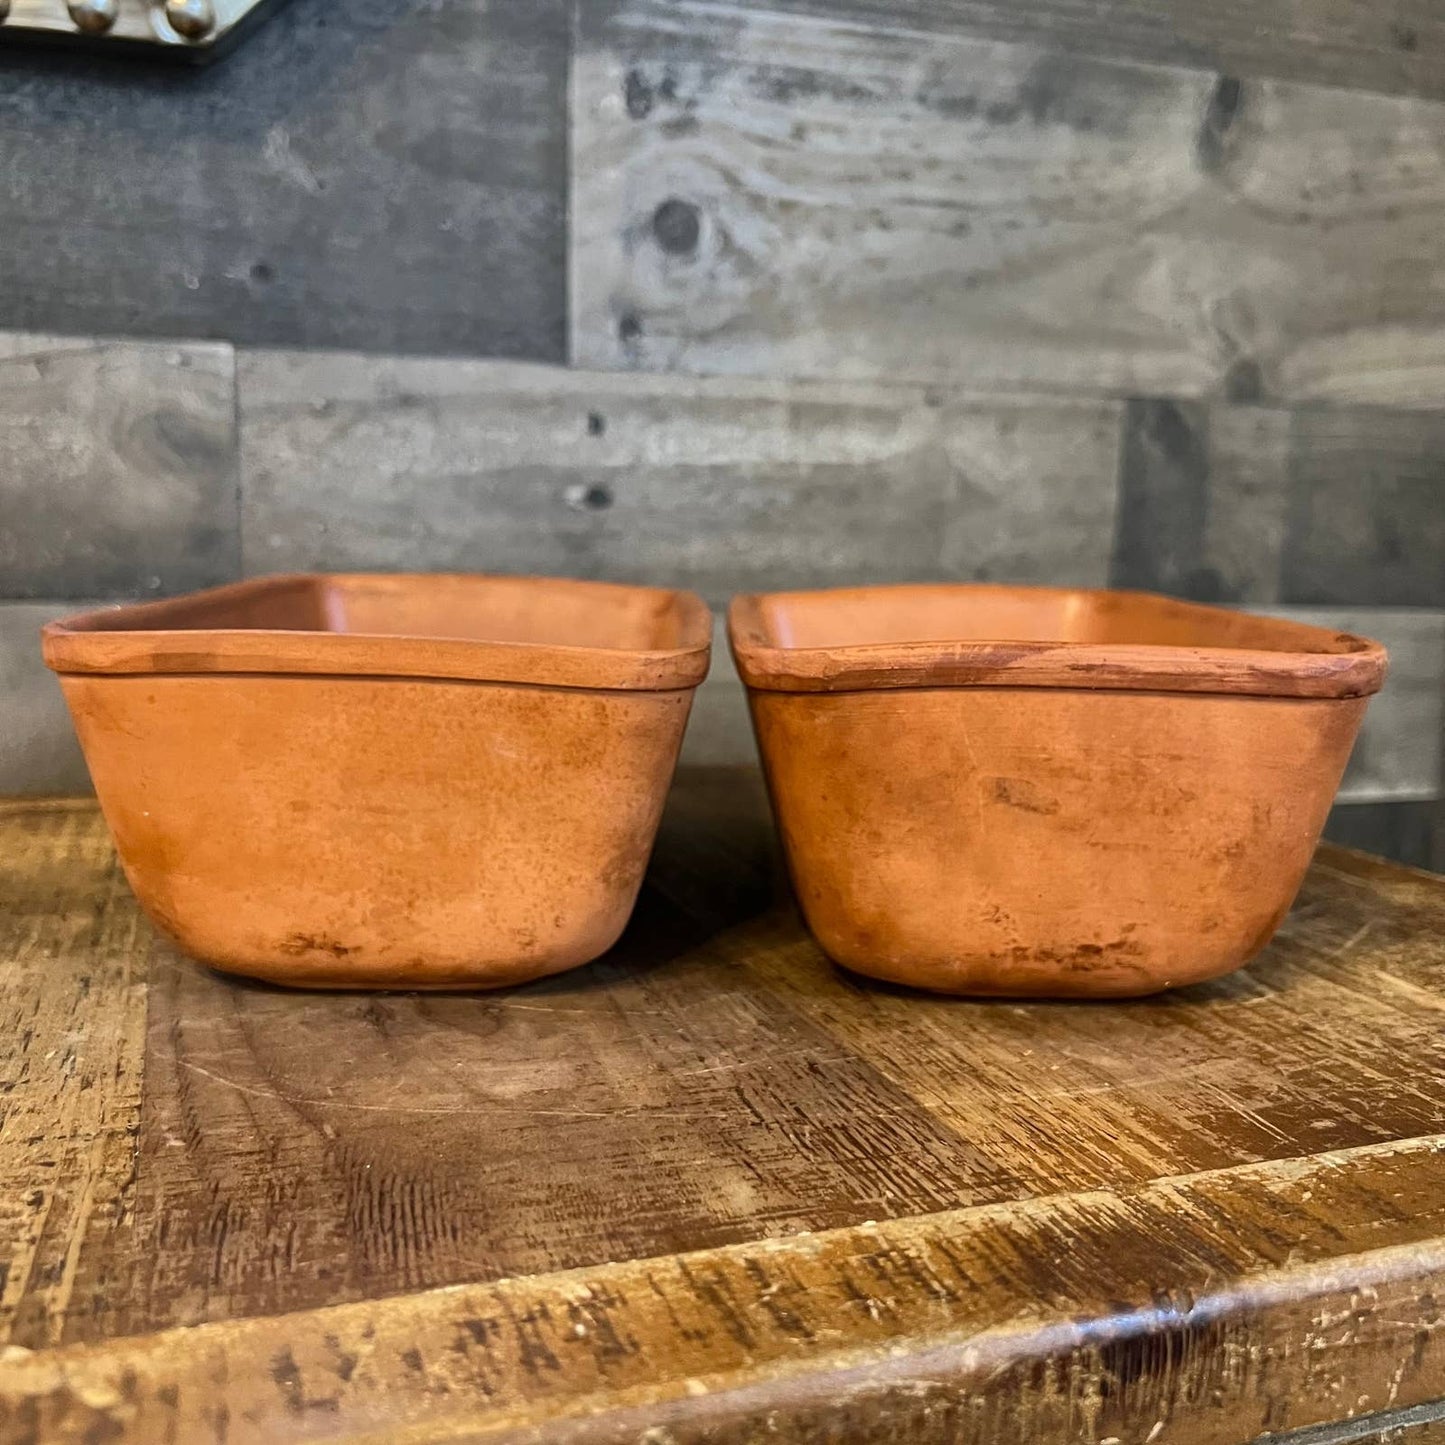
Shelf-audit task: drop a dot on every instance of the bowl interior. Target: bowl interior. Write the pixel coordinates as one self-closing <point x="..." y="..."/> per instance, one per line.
<point x="536" y="610"/>
<point x="874" y="616"/>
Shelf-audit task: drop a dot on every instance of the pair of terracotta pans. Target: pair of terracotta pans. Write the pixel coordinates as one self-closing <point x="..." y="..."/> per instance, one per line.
<point x="455" y="781"/>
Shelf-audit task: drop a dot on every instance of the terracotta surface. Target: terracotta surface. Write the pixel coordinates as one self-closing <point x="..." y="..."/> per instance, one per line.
<point x="1039" y="791"/>
<point x="386" y="781"/>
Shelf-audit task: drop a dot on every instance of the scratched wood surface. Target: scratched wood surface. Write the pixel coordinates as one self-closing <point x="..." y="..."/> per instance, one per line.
<point x="784" y="194"/>
<point x="710" y="1188"/>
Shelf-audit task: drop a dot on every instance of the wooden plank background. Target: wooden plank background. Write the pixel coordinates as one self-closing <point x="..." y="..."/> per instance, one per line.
<point x="379" y="173"/>
<point x="1324" y="505"/>
<point x="754" y="193"/>
<point x="117" y="467"/>
<point x="722" y="486"/>
<point x="1395" y="47"/>
<point x="1106" y="293"/>
<point x="39" y="754"/>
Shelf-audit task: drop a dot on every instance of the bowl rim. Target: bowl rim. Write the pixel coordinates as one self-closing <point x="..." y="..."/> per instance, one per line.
<point x="1311" y="661"/>
<point x="90" y="642"/>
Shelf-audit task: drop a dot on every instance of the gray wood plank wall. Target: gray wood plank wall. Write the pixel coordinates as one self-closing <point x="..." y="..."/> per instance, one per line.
<point x="1106" y="293"/>
<point x="1395" y="47"/>
<point x="755" y="193"/>
<point x="380" y="173"/>
<point x="719" y="485"/>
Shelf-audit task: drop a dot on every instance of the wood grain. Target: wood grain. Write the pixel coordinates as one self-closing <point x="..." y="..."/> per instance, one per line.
<point x="1394" y="48"/>
<point x="72" y="1011"/>
<point x="711" y="1186"/>
<point x="1323" y="505"/>
<point x="1039" y="1323"/>
<point x="351" y="461"/>
<point x="1204" y="500"/>
<point x="117" y="467"/>
<point x="1367" y="497"/>
<point x="784" y="194"/>
<point x="422" y="1145"/>
<point x="386" y="173"/>
<point x="39" y="753"/>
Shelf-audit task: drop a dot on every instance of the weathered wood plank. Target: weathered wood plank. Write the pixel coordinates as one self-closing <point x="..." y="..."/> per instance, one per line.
<point x="387" y="174"/>
<point x="1296" y="1292"/>
<point x="117" y="467"/>
<point x="1417" y="1425"/>
<point x="1204" y="500"/>
<point x="1207" y="1078"/>
<point x="1220" y="1209"/>
<point x="39" y="753"/>
<point x="1395" y="48"/>
<point x="72" y="1010"/>
<point x="1367" y="523"/>
<point x="422" y="1146"/>
<point x="704" y="1087"/>
<point x="720" y="485"/>
<point x="1325" y="505"/>
<point x="690" y="1126"/>
<point x="779" y="194"/>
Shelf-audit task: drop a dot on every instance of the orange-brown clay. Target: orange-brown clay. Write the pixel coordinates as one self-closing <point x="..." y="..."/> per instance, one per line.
<point x="1040" y="791"/>
<point x="386" y="781"/>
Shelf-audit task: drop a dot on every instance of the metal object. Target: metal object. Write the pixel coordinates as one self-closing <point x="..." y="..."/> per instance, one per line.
<point x="195" y="30"/>
<point x="190" y="19"/>
<point x="93" y="17"/>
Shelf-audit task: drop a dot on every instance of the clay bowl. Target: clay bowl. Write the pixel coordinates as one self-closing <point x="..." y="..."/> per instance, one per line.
<point x="1038" y="791"/>
<point x="386" y="781"/>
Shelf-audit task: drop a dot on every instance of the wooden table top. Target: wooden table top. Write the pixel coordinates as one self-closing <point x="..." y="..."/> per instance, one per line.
<point x="711" y="1188"/>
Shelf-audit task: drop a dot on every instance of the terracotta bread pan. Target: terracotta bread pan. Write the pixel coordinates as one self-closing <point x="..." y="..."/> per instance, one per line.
<point x="386" y="781"/>
<point x="1039" y="791"/>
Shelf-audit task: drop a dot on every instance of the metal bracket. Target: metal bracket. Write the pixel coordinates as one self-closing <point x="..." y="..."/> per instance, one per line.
<point x="188" y="30"/>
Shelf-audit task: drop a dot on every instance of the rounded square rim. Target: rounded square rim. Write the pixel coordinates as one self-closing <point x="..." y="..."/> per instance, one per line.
<point x="1314" y="662"/>
<point x="76" y="645"/>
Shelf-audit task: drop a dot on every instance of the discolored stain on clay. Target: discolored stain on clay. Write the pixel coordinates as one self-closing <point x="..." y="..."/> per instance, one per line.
<point x="1021" y="793"/>
<point x="1082" y="958"/>
<point x="301" y="943"/>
